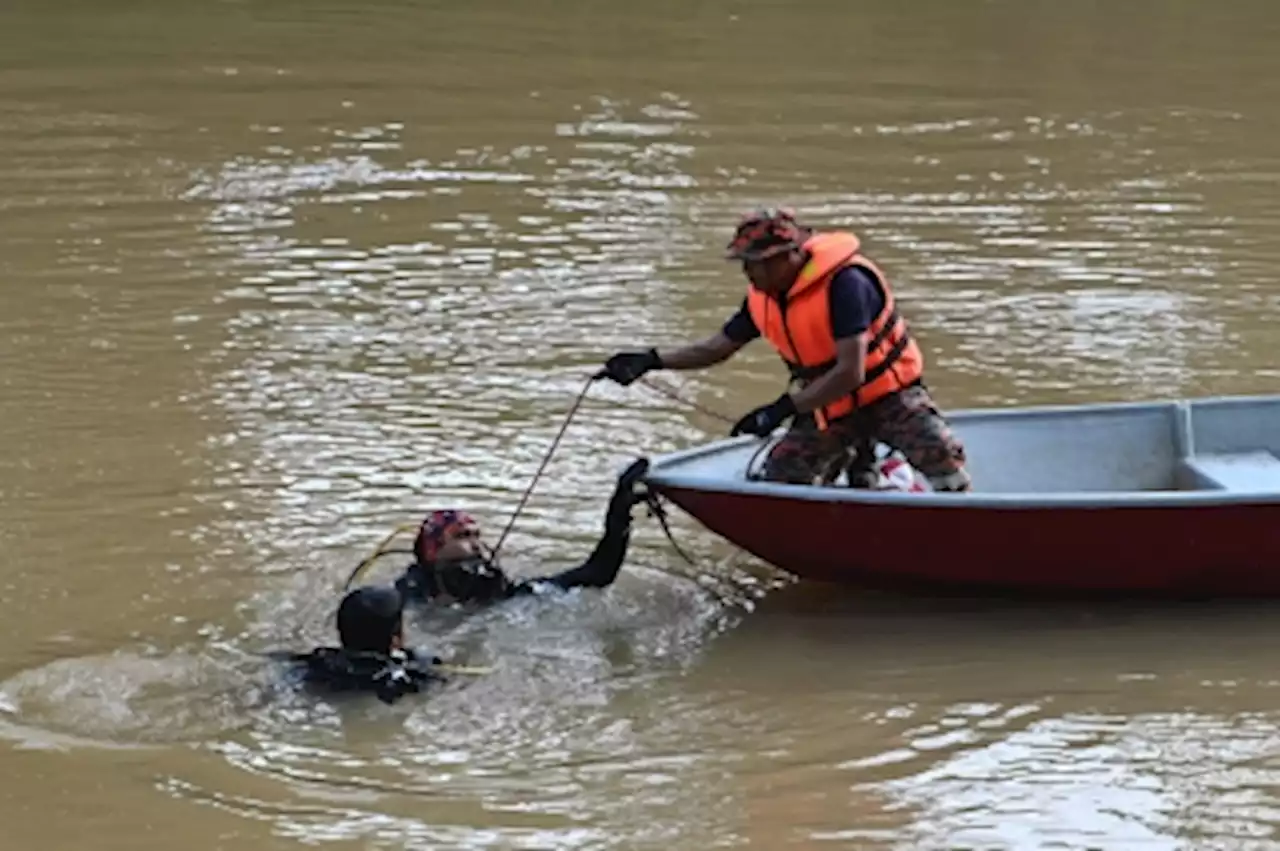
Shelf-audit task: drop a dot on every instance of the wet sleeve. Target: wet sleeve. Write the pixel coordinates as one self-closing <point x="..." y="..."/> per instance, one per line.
<point x="602" y="566"/>
<point x="598" y="571"/>
<point x="741" y="328"/>
<point x="855" y="302"/>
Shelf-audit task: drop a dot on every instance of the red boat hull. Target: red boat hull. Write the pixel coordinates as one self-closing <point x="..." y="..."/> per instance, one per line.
<point x="1199" y="550"/>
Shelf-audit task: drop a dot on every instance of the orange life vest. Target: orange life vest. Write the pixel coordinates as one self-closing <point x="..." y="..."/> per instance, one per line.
<point x="799" y="327"/>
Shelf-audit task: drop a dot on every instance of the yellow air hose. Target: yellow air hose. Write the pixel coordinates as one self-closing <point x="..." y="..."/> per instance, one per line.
<point x="380" y="551"/>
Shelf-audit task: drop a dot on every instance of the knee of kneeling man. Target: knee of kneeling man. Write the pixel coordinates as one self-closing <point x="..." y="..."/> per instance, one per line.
<point x="959" y="480"/>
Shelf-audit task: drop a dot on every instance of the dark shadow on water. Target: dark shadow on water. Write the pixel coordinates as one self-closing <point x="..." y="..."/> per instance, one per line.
<point x="815" y="605"/>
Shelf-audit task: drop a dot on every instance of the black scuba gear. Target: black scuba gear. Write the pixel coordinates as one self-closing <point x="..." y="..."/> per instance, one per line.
<point x="389" y="676"/>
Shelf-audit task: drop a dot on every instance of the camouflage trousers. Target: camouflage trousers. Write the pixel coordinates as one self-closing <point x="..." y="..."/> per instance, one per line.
<point x="907" y="421"/>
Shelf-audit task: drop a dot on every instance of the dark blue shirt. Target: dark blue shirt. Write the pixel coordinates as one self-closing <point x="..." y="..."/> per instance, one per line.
<point x="855" y="302"/>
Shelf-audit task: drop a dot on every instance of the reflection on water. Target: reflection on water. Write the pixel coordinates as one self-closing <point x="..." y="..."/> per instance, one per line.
<point x="370" y="347"/>
<point x="279" y="280"/>
<point x="1129" y="781"/>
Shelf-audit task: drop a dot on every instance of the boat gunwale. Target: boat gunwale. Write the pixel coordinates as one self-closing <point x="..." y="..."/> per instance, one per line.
<point x="664" y="472"/>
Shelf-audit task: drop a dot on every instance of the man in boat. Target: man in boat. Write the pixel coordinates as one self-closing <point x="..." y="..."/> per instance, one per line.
<point x="371" y="657"/>
<point x="857" y="374"/>
<point x="453" y="565"/>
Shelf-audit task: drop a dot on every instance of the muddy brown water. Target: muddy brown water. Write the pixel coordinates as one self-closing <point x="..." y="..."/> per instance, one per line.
<point x="276" y="277"/>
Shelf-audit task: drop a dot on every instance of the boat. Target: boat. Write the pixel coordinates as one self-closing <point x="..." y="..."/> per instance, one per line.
<point x="1165" y="497"/>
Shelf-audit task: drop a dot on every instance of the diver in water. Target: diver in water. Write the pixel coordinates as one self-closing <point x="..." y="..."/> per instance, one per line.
<point x="452" y="565"/>
<point x="372" y="656"/>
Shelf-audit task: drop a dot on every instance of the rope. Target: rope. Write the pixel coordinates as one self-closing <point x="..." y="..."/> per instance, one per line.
<point x="659" y="511"/>
<point x="582" y="394"/>
<point x="656" y="509"/>
<point x="764" y="446"/>
<point x="688" y="403"/>
<point x="382" y="548"/>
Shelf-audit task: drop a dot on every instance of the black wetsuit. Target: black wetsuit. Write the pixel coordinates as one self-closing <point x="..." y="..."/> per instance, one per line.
<point x="388" y="676"/>
<point x="488" y="584"/>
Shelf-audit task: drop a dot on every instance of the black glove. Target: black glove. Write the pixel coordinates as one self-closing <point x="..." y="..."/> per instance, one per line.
<point x="766" y="418"/>
<point x="626" y="495"/>
<point x="626" y="367"/>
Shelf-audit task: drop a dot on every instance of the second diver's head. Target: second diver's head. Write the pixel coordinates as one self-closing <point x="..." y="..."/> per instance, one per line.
<point x="371" y="620"/>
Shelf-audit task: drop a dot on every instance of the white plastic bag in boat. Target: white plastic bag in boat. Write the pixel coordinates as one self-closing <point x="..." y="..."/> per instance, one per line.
<point x="893" y="473"/>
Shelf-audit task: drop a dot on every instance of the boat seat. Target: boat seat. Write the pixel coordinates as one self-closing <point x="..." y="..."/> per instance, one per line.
<point x="1235" y="471"/>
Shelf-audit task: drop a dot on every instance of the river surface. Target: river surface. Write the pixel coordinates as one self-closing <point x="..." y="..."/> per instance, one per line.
<point x="276" y="277"/>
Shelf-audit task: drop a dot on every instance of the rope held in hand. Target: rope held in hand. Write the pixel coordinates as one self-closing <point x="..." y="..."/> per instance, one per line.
<point x="656" y="509"/>
<point x="555" y="444"/>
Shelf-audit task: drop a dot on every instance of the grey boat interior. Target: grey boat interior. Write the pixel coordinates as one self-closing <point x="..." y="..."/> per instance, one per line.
<point x="1222" y="444"/>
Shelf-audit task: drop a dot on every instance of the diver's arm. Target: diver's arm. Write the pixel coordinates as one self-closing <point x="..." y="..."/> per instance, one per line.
<point x="602" y="566"/>
<point x="598" y="571"/>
